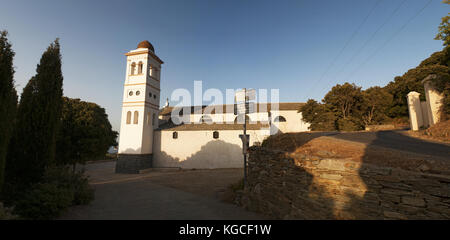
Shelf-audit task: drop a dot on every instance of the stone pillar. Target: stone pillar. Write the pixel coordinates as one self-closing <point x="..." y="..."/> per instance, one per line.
<point x="425" y="115"/>
<point x="434" y="99"/>
<point x="415" y="110"/>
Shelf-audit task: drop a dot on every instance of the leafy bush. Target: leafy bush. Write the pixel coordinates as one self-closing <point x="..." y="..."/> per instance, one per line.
<point x="45" y="201"/>
<point x="79" y="185"/>
<point x="85" y="134"/>
<point x="347" y="125"/>
<point x="59" y="189"/>
<point x="6" y="213"/>
<point x="83" y="193"/>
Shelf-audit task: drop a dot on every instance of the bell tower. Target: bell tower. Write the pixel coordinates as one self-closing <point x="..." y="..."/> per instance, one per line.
<point x="140" y="108"/>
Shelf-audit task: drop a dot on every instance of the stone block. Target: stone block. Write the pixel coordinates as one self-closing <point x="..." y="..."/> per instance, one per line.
<point x="413" y="201"/>
<point x="394" y="215"/>
<point x="332" y="164"/>
<point x="329" y="176"/>
<point x="395" y="185"/>
<point x="390" y="198"/>
<point x="396" y="192"/>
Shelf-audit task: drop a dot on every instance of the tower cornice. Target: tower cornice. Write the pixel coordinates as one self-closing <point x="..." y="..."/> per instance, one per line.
<point x="145" y="52"/>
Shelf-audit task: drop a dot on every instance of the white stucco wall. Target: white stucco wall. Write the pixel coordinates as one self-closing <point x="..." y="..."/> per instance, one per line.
<point x="294" y="121"/>
<point x="130" y="140"/>
<point x="198" y="149"/>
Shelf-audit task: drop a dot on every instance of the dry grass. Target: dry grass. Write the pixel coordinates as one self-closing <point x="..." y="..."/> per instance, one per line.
<point x="316" y="144"/>
<point x="438" y="132"/>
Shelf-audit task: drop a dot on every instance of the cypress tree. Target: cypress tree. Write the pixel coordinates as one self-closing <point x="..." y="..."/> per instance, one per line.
<point x="32" y="147"/>
<point x="8" y="99"/>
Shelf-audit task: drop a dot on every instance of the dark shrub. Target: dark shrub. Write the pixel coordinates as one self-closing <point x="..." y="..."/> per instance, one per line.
<point x="60" y="188"/>
<point x="83" y="193"/>
<point x="347" y="125"/>
<point x="44" y="201"/>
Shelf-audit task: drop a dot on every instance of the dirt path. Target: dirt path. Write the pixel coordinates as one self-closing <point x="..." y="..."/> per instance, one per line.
<point x="398" y="140"/>
<point x="159" y="195"/>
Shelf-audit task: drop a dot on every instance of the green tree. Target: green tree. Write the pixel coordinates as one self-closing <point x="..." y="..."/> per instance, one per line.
<point x="437" y="64"/>
<point x="345" y="101"/>
<point x="85" y="134"/>
<point x="444" y="28"/>
<point x="376" y="101"/>
<point x="8" y="99"/>
<point x="32" y="147"/>
<point x="318" y="116"/>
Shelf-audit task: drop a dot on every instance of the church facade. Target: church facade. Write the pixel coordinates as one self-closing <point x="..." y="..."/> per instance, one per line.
<point x="150" y="139"/>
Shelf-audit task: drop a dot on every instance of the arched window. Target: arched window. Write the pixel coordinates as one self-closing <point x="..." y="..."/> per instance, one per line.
<point x="153" y="119"/>
<point x="136" y="117"/>
<point x="128" y="117"/>
<point x="175" y="135"/>
<point x="133" y="68"/>
<point x="240" y="119"/>
<point x="206" y="119"/>
<point x="215" y="134"/>
<point x="140" y="66"/>
<point x="148" y="118"/>
<point x="150" y="71"/>
<point x="279" y="119"/>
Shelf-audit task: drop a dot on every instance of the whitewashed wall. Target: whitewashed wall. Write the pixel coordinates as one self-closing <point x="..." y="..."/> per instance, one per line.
<point x="294" y="121"/>
<point x="198" y="149"/>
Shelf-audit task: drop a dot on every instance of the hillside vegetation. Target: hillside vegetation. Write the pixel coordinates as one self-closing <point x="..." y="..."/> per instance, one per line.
<point x="346" y="107"/>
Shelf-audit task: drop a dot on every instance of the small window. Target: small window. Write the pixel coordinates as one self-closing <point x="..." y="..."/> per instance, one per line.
<point x="148" y="118"/>
<point x="128" y="117"/>
<point x="140" y="66"/>
<point x="136" y="117"/>
<point x="154" y="96"/>
<point x="153" y="119"/>
<point x="215" y="134"/>
<point x="150" y="94"/>
<point x="280" y="119"/>
<point x="138" y="93"/>
<point x="175" y="135"/>
<point x="130" y="93"/>
<point x="151" y="71"/>
<point x="133" y="68"/>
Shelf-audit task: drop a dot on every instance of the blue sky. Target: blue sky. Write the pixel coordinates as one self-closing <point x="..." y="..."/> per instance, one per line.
<point x="302" y="48"/>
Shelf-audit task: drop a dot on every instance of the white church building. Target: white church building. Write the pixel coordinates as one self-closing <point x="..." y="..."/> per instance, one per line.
<point x="150" y="139"/>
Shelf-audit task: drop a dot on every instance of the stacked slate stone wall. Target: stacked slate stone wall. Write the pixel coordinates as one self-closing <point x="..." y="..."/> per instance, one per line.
<point x="287" y="185"/>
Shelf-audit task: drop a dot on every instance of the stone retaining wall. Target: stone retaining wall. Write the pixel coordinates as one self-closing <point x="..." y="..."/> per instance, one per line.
<point x="299" y="186"/>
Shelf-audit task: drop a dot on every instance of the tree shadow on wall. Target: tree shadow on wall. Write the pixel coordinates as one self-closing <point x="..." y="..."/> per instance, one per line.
<point x="360" y="185"/>
<point x="379" y="173"/>
<point x="280" y="188"/>
<point x="214" y="154"/>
